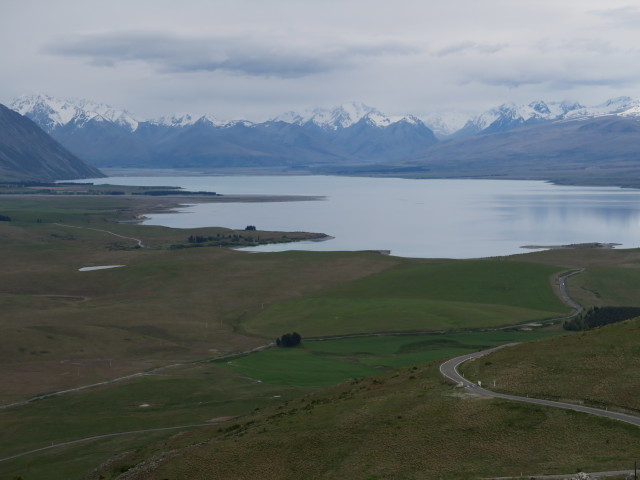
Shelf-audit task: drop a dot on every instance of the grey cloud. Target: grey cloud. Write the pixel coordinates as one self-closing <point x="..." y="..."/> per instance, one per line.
<point x="623" y="16"/>
<point x="250" y="56"/>
<point x="577" y="45"/>
<point x="554" y="80"/>
<point x="469" y="47"/>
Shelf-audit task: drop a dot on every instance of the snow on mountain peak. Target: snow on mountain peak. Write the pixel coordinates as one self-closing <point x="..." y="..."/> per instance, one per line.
<point x="343" y="116"/>
<point x="54" y="112"/>
<point x="178" y="120"/>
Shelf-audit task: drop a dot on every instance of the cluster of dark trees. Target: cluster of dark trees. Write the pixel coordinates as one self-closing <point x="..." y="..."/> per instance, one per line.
<point x="5" y="218"/>
<point x="160" y="193"/>
<point x="234" y="238"/>
<point x="250" y="227"/>
<point x="599" y="316"/>
<point x="289" y="340"/>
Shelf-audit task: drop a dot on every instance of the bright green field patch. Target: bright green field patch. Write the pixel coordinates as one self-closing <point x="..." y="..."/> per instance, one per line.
<point x="329" y="362"/>
<point x="339" y="316"/>
<point x="298" y="366"/>
<point x="423" y="296"/>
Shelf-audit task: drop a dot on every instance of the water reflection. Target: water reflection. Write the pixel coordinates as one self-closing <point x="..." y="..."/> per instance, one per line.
<point x="416" y="218"/>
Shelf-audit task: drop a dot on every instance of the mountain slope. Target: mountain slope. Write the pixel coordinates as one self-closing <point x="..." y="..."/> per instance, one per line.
<point x="597" y="146"/>
<point x="29" y="154"/>
<point x="601" y="150"/>
<point x="107" y="137"/>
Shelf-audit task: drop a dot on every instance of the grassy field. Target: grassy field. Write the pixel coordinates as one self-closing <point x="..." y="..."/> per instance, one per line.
<point x="330" y="362"/>
<point x="62" y="328"/>
<point x="405" y="424"/>
<point x="612" y="277"/>
<point x="180" y="396"/>
<point x="599" y="366"/>
<point x="198" y="393"/>
<point x="421" y="295"/>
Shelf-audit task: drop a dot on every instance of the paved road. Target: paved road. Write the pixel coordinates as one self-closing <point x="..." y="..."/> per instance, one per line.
<point x="565" y="295"/>
<point x="450" y="370"/>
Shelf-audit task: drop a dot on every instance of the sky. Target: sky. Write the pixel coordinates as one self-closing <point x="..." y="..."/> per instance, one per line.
<point x="256" y="59"/>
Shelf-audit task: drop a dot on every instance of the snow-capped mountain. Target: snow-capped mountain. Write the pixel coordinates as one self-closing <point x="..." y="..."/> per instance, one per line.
<point x="445" y="124"/>
<point x="622" y="106"/>
<point x="344" y="116"/>
<point x="27" y="153"/>
<point x="509" y="115"/>
<point x="51" y="113"/>
<point x="350" y="134"/>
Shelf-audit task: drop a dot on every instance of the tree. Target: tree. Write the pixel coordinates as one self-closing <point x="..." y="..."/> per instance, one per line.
<point x="250" y="227"/>
<point x="289" y="340"/>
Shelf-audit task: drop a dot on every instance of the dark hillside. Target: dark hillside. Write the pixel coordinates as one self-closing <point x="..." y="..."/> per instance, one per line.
<point x="27" y="153"/>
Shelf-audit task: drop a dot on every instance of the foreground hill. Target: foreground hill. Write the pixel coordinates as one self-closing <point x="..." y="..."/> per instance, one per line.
<point x="602" y="365"/>
<point x="408" y="424"/>
<point x="28" y="154"/>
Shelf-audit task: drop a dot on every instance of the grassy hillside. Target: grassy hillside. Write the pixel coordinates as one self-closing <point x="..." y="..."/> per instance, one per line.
<point x="420" y="295"/>
<point x="599" y="366"/>
<point x="611" y="277"/>
<point x="197" y="393"/>
<point x="63" y="328"/>
<point x="407" y="424"/>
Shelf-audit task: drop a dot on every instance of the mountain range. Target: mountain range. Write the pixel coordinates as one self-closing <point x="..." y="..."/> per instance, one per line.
<point x="350" y="134"/>
<point x="520" y="141"/>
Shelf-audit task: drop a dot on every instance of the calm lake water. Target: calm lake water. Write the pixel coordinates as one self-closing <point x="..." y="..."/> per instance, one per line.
<point x="413" y="218"/>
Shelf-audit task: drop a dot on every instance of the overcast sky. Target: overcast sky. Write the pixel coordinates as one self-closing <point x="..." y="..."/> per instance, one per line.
<point x="255" y="59"/>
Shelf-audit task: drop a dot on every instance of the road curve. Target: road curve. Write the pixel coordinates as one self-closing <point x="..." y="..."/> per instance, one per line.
<point x="450" y="370"/>
<point x="578" y="309"/>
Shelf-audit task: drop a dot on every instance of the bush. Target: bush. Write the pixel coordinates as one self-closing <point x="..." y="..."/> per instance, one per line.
<point x="289" y="340"/>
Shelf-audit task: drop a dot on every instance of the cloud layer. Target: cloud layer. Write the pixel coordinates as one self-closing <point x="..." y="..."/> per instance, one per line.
<point x="257" y="59"/>
<point x="249" y="56"/>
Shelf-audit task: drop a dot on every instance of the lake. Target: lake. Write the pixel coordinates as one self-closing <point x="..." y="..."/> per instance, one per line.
<point x="412" y="218"/>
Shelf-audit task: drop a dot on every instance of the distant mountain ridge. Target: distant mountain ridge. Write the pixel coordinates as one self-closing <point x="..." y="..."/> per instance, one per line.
<point x="510" y="116"/>
<point x="27" y="153"/>
<point x="514" y="141"/>
<point x="107" y="137"/>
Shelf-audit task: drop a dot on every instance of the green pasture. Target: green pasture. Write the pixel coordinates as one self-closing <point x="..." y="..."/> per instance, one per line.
<point x="608" y="286"/>
<point x="198" y="393"/>
<point x="403" y="424"/>
<point x="329" y="362"/>
<point x="420" y="295"/>
<point x="180" y="396"/>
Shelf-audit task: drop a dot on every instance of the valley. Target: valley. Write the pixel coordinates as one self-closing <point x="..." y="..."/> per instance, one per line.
<point x="198" y="308"/>
<point x="359" y="240"/>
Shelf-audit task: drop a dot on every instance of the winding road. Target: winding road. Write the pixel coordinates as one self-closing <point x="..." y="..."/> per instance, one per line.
<point x="450" y="370"/>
